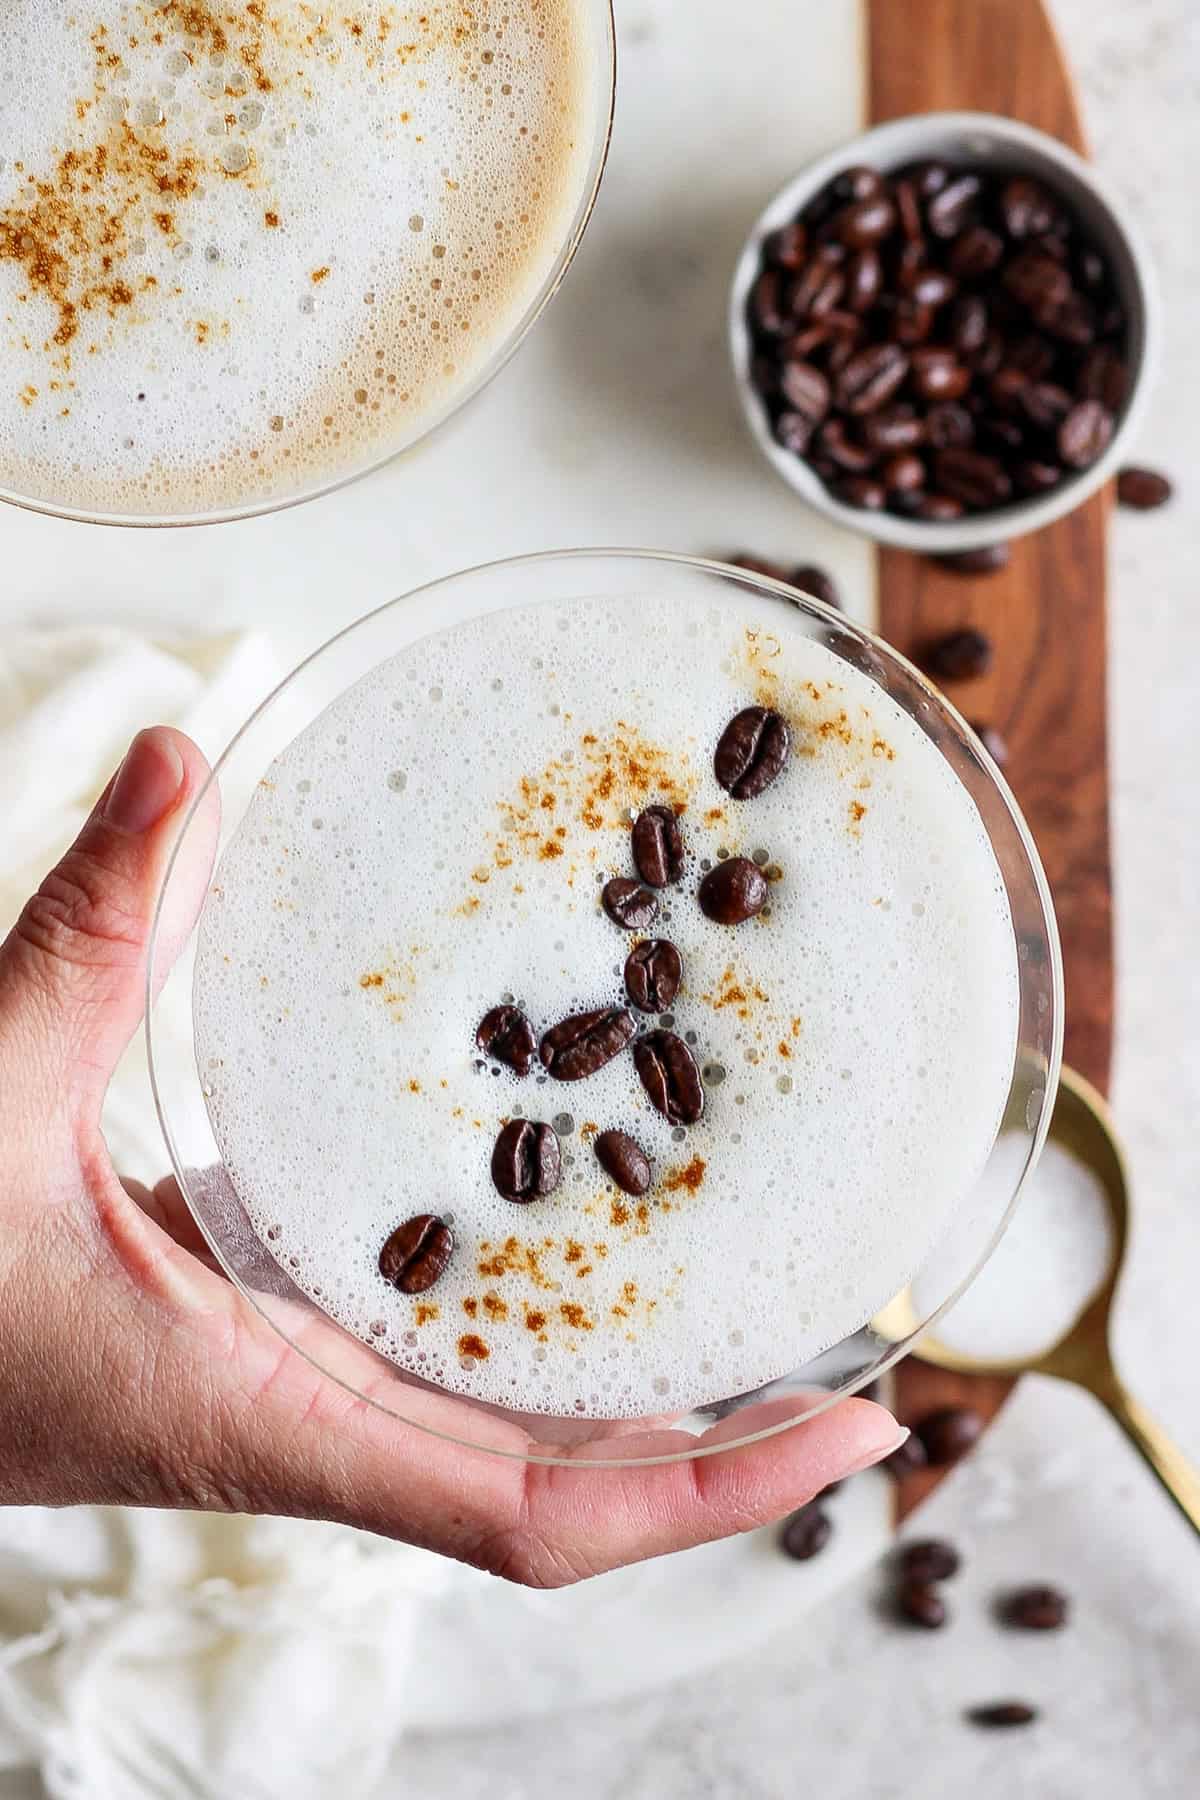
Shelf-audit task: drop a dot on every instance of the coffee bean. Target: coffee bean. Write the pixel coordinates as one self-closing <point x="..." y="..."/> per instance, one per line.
<point x="806" y="1533"/>
<point x="842" y="451"/>
<point x="416" y="1254"/>
<point x="969" y="324"/>
<point x="1034" y="477"/>
<point x="1070" y="318"/>
<point x="752" y="752"/>
<point x="922" y="1605"/>
<point x="893" y="428"/>
<point x="864" y="280"/>
<point x="929" y="178"/>
<point x="907" y="1460"/>
<point x="1084" y="433"/>
<point x="1044" y="404"/>
<point x="623" y="1161"/>
<point x="938" y="375"/>
<point x="858" y="183"/>
<point x="938" y="508"/>
<point x="817" y="582"/>
<point x="1143" y="489"/>
<point x="988" y="359"/>
<point x="577" y="1046"/>
<point x="978" y="481"/>
<point x="668" y="1072"/>
<point x="929" y="1560"/>
<point x="1033" y="356"/>
<point x="984" y="560"/>
<point x="867" y="221"/>
<point x="902" y="472"/>
<point x="526" y="1161"/>
<point x="976" y="253"/>
<point x="1006" y="387"/>
<point x="870" y="378"/>
<point x="998" y="1715"/>
<point x="948" y="1433"/>
<point x="628" y="904"/>
<point x="861" y="491"/>
<point x="949" y="427"/>
<point x="1104" y="377"/>
<point x="805" y="389"/>
<point x="506" y="1034"/>
<point x="733" y="891"/>
<point x="794" y="432"/>
<point x="929" y="287"/>
<point x="767" y="313"/>
<point x="1036" y="1608"/>
<point x="1037" y="280"/>
<point x="817" y="289"/>
<point x="951" y="208"/>
<point x="992" y="742"/>
<point x="658" y="841"/>
<point x="653" y="971"/>
<point x="785" y="248"/>
<point x="1003" y="436"/>
<point x="1027" y="208"/>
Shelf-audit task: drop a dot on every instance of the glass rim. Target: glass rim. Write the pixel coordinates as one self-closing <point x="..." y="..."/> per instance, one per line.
<point x="504" y="352"/>
<point x="905" y="1342"/>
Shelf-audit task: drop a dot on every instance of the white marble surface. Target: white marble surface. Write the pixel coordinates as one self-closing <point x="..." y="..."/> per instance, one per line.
<point x="616" y="423"/>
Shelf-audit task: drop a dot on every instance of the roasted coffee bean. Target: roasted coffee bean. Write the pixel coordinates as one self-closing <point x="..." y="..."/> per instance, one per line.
<point x="902" y="472"/>
<point x="984" y="560"/>
<point x="861" y="491"/>
<point x="805" y="389"/>
<point x="929" y="287"/>
<point x="1044" y="404"/>
<point x="893" y="428"/>
<point x="1084" y="434"/>
<point x="1006" y="387"/>
<point x="416" y="1254"/>
<point x="952" y="207"/>
<point x="937" y="508"/>
<point x="948" y="1433"/>
<point x="975" y="253"/>
<point x="841" y="450"/>
<point x="817" y="289"/>
<point x="1143" y="489"/>
<point x="929" y="177"/>
<point x="1072" y="319"/>
<point x="628" y="904"/>
<point x="768" y="315"/>
<point x="752" y="752"/>
<point x="938" y="375"/>
<point x="653" y="971"/>
<point x="998" y="1715"/>
<point x="1033" y="477"/>
<point x="871" y="377"/>
<point x="864" y="280"/>
<point x="1036" y="1608"/>
<point x="908" y="211"/>
<point x="658" y="841"/>
<point x="911" y="321"/>
<point x="949" y="426"/>
<point x="526" y="1161"/>
<point x="907" y="1460"/>
<point x="930" y="1559"/>
<point x="959" y="656"/>
<point x="817" y="582"/>
<point x="922" y="1605"/>
<point x="1027" y="208"/>
<point x="785" y="248"/>
<point x="988" y="359"/>
<point x="969" y="324"/>
<point x="506" y="1034"/>
<point x="1035" y="279"/>
<point x="576" y="1047"/>
<point x="978" y="481"/>
<point x="668" y="1072"/>
<point x="866" y="221"/>
<point x="914" y="255"/>
<point x="1003" y="435"/>
<point x="842" y="346"/>
<point x="623" y="1161"/>
<point x="733" y="891"/>
<point x="992" y="742"/>
<point x="1033" y="356"/>
<point x="794" y="432"/>
<point x="858" y="183"/>
<point x="1103" y="376"/>
<point x="802" y="345"/>
<point x="806" y="1533"/>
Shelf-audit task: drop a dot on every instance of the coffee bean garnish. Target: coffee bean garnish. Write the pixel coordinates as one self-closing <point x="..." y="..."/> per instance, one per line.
<point x="992" y="742"/>
<point x="658" y="846"/>
<point x="1143" y="489"/>
<point x="1036" y="1608"/>
<point x="526" y="1161"/>
<point x="931" y="1559"/>
<point x="984" y="294"/>
<point x="583" y="1043"/>
<point x="948" y="1433"/>
<point x="752" y="751"/>
<point x="984" y="560"/>
<point x="806" y="1533"/>
<point x="668" y="1072"/>
<point x="921" y="1604"/>
<point x="506" y="1034"/>
<point x="416" y="1254"/>
<point x="733" y="891"/>
<point x="960" y="655"/>
<point x="629" y="904"/>
<point x="623" y="1161"/>
<point x="1000" y="1714"/>
<point x="653" y="971"/>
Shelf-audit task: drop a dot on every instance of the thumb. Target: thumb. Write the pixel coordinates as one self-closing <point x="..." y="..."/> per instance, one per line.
<point x="73" y="968"/>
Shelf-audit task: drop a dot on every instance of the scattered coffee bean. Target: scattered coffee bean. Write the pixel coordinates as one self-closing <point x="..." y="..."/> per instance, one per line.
<point x="629" y="904"/>
<point x="733" y="891"/>
<point x="984" y="560"/>
<point x="658" y="846"/>
<point x="752" y="751"/>
<point x="1143" y="489"/>
<point x="806" y="1533"/>
<point x="1000" y="1714"/>
<point x="506" y="1034"/>
<point x="416" y="1254"/>
<point x="931" y="1559"/>
<point x="1036" y="1608"/>
<point x="907" y="1460"/>
<point x="817" y="582"/>
<point x="623" y="1161"/>
<point x="653" y="971"/>
<point x="992" y="742"/>
<point x="668" y="1072"/>
<point x="921" y="1605"/>
<point x="526" y="1161"/>
<point x="960" y="655"/>
<point x="948" y="1433"/>
<point x="578" y="1046"/>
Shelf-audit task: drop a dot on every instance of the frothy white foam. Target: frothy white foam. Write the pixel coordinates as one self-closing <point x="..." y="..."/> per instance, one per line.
<point x="249" y="248"/>
<point x="435" y="843"/>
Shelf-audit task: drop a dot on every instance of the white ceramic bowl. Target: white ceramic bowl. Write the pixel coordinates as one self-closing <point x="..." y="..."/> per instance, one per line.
<point x="978" y="140"/>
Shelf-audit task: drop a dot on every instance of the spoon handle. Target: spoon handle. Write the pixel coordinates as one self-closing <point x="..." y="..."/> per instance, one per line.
<point x="1178" y="1476"/>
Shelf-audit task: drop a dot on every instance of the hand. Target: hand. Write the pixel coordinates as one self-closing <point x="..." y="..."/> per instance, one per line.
<point x="134" y="1373"/>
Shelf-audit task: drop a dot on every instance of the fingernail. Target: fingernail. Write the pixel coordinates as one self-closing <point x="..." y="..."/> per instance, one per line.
<point x="147" y="784"/>
<point x="883" y="1452"/>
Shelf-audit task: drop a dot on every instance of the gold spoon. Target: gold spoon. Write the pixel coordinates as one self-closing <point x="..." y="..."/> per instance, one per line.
<point x="1083" y="1125"/>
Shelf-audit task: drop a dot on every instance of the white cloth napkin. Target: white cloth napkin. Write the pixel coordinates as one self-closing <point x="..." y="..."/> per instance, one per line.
<point x="164" y="1655"/>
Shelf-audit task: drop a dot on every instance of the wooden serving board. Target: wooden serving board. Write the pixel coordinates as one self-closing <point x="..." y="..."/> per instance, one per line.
<point x="1045" y="612"/>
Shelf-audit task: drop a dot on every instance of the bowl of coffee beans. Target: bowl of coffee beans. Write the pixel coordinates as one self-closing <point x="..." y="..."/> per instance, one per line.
<point x="943" y="333"/>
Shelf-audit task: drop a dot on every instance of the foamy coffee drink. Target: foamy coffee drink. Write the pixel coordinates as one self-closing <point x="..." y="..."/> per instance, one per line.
<point x="250" y="248"/>
<point x="820" y="1081"/>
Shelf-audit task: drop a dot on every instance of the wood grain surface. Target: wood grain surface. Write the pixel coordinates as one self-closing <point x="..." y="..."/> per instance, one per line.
<point x="1045" y="612"/>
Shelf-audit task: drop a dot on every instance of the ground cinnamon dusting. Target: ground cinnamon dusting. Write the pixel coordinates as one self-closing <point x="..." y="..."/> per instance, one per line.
<point x="690" y="1177"/>
<point x="470" y="1345"/>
